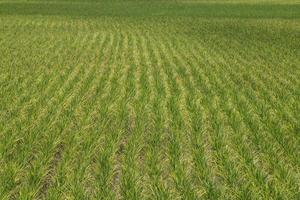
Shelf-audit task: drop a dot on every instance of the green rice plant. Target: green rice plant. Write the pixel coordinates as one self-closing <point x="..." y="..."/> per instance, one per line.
<point x="149" y="99"/>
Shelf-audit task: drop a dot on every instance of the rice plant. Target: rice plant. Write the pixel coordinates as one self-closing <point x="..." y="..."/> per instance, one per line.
<point x="149" y="99"/>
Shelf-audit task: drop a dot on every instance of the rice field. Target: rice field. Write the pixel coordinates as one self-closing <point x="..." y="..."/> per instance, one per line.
<point x="185" y="99"/>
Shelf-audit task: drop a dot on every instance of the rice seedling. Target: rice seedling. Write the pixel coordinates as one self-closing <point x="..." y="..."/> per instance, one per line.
<point x="149" y="99"/>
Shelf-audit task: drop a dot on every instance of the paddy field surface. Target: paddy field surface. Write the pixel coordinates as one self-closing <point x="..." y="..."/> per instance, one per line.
<point x="172" y="99"/>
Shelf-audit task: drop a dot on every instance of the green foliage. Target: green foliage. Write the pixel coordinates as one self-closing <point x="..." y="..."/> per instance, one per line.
<point x="149" y="99"/>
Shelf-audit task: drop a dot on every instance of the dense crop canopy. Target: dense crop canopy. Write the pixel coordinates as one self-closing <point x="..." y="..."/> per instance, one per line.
<point x="156" y="99"/>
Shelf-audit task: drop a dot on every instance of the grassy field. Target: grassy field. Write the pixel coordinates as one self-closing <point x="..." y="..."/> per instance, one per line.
<point x="174" y="99"/>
